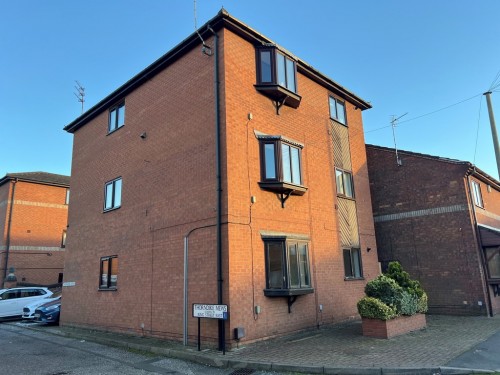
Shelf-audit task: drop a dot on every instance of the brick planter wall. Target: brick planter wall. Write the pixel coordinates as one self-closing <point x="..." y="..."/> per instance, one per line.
<point x="385" y="329"/>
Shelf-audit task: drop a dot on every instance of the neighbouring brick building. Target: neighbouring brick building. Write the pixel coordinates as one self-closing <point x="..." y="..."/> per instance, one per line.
<point x="240" y="158"/>
<point x="33" y="221"/>
<point x="441" y="219"/>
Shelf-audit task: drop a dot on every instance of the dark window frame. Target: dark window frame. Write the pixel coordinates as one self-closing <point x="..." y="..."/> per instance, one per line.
<point x="335" y="116"/>
<point x="285" y="92"/>
<point x="107" y="262"/>
<point x="350" y="274"/>
<point x="477" y="194"/>
<point x="288" y="268"/>
<point x="494" y="255"/>
<point x="114" y="205"/>
<point x="114" y="120"/>
<point x="278" y="181"/>
<point x="341" y="190"/>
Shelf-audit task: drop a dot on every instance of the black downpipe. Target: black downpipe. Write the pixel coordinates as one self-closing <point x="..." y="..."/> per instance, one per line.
<point x="7" y="242"/>
<point x="222" y="325"/>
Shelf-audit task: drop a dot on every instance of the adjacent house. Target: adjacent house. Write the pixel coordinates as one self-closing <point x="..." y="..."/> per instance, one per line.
<point x="229" y="172"/>
<point x="441" y="219"/>
<point x="33" y="221"/>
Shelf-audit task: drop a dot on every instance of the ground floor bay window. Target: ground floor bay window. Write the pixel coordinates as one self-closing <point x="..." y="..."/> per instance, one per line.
<point x="287" y="267"/>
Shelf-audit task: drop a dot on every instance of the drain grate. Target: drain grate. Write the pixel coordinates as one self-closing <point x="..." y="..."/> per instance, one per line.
<point x="243" y="371"/>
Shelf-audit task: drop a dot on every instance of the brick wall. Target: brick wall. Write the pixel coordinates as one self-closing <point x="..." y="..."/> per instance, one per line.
<point x="431" y="230"/>
<point x="39" y="217"/>
<point x="169" y="190"/>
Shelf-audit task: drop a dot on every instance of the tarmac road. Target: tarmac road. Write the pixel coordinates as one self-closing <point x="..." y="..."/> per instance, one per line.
<point x="485" y="356"/>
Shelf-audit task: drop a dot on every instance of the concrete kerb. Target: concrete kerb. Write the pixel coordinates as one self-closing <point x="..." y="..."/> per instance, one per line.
<point x="216" y="361"/>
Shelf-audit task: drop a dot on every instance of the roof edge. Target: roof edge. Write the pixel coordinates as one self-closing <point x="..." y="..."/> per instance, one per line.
<point x="20" y="177"/>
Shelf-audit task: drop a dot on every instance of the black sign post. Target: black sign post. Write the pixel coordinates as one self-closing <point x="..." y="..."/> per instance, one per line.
<point x="219" y="312"/>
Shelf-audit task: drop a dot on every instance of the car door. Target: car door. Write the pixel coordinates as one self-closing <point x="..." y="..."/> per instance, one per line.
<point x="27" y="296"/>
<point x="8" y="303"/>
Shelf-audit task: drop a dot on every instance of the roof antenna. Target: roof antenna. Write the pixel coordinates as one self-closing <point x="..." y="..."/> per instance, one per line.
<point x="80" y="93"/>
<point x="206" y="49"/>
<point x="393" y="124"/>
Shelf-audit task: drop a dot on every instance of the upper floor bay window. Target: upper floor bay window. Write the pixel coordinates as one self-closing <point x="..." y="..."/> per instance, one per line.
<point x="116" y="117"/>
<point x="277" y="76"/>
<point x="113" y="194"/>
<point x="281" y="165"/>
<point x="337" y="110"/>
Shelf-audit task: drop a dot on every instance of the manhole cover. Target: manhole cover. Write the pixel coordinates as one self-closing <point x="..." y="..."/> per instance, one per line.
<point x="242" y="371"/>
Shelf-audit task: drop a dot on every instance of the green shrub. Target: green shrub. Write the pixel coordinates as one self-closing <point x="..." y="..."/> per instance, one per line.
<point x="422" y="304"/>
<point x="408" y="304"/>
<point x="395" y="272"/>
<point x="369" y="307"/>
<point x="385" y="289"/>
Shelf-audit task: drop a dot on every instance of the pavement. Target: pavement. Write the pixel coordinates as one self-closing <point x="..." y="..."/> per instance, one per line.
<point x="449" y="345"/>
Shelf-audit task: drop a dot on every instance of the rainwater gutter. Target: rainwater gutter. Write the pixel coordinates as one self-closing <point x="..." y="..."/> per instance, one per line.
<point x="9" y="225"/>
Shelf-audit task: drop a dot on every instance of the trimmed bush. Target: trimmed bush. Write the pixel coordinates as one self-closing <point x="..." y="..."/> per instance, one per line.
<point x="385" y="289"/>
<point x="422" y="304"/>
<point x="369" y="307"/>
<point x="408" y="304"/>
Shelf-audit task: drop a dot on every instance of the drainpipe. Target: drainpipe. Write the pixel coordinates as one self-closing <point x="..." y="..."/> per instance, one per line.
<point x="7" y="242"/>
<point x="489" y="307"/>
<point x="219" y="185"/>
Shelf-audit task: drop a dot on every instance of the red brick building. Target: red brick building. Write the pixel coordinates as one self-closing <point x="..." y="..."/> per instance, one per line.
<point x="234" y="174"/>
<point x="441" y="219"/>
<point x="33" y="220"/>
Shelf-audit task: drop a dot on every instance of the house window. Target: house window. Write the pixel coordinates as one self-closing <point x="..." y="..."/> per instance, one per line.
<point x="113" y="194"/>
<point x="344" y="183"/>
<point x="277" y="75"/>
<point x="109" y="272"/>
<point x="287" y="267"/>
<point x="281" y="161"/>
<point x="352" y="263"/>
<point x="116" y="117"/>
<point x="66" y="200"/>
<point x="63" y="239"/>
<point x="493" y="261"/>
<point x="337" y="110"/>
<point x="476" y="192"/>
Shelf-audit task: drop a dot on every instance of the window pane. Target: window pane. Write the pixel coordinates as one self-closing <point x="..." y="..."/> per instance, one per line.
<point x="112" y="120"/>
<point x="340" y="182"/>
<point x="287" y="169"/>
<point x="296" y="166"/>
<point x="347" y="263"/>
<point x="67" y="197"/>
<point x="333" y="108"/>
<point x="356" y="262"/>
<point x="293" y="266"/>
<point x="493" y="261"/>
<point x="104" y="273"/>
<point x="118" y="193"/>
<point x="114" y="272"/>
<point x="348" y="185"/>
<point x="121" y="116"/>
<point x="305" y="280"/>
<point x="270" y="161"/>
<point x="265" y="66"/>
<point x="290" y="75"/>
<point x="275" y="264"/>
<point x="109" y="196"/>
<point x="341" y="112"/>
<point x="280" y="65"/>
<point x="478" y="199"/>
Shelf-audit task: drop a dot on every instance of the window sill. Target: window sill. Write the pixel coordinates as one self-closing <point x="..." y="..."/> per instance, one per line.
<point x="338" y="122"/>
<point x="354" y="278"/>
<point x="110" y="209"/>
<point x="107" y="289"/>
<point x="287" y="292"/>
<point x="284" y="187"/>
<point x="114" y="130"/>
<point x="280" y="93"/>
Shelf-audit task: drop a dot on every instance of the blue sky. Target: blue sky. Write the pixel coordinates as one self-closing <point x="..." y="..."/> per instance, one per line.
<point x="420" y="58"/>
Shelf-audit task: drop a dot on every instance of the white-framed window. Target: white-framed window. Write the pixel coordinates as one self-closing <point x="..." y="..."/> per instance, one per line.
<point x="344" y="183"/>
<point x="476" y="193"/>
<point x="113" y="194"/>
<point x="337" y="110"/>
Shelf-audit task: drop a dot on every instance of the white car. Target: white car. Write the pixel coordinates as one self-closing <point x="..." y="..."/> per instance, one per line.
<point x="13" y="300"/>
<point x="29" y="310"/>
